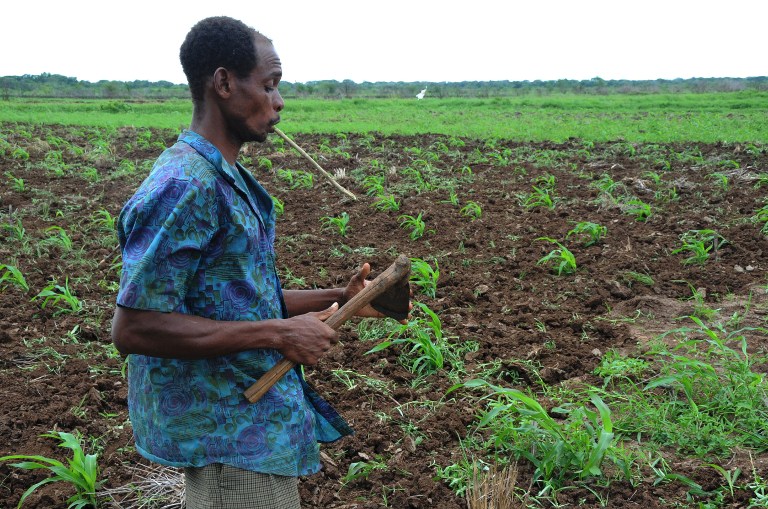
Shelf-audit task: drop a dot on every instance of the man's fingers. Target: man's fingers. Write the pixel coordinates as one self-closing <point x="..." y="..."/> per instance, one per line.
<point x="362" y="274"/>
<point x="326" y="313"/>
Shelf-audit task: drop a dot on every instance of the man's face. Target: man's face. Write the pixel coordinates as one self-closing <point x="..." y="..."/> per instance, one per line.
<point x="255" y="102"/>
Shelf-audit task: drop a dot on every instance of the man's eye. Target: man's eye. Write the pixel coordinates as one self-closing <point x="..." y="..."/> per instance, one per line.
<point x="268" y="89"/>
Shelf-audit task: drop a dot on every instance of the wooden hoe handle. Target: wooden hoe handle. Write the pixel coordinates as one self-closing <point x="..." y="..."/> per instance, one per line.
<point x="400" y="269"/>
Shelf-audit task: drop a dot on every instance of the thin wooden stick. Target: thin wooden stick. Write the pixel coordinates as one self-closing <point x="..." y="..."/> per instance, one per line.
<point x="319" y="168"/>
<point x="110" y="255"/>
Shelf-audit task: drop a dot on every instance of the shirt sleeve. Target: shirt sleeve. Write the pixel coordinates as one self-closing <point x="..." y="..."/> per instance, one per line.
<point x="163" y="233"/>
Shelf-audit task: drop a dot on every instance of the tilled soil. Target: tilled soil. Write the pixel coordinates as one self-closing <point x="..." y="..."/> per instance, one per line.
<point x="56" y="374"/>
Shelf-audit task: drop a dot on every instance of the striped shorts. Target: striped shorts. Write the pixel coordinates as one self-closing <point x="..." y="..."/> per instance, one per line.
<point x="218" y="486"/>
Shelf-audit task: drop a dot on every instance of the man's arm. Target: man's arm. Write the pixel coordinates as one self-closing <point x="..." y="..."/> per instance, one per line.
<point x="302" y="339"/>
<point x="299" y="302"/>
<point x="304" y="301"/>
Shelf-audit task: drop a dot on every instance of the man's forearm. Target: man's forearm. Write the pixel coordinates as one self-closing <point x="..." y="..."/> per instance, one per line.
<point x="302" y="339"/>
<point x="299" y="302"/>
<point x="180" y="336"/>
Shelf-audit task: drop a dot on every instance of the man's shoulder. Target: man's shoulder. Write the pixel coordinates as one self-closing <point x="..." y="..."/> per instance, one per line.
<point x="180" y="169"/>
<point x="182" y="162"/>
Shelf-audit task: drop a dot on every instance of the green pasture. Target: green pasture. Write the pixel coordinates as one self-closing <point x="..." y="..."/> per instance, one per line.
<point x="653" y="118"/>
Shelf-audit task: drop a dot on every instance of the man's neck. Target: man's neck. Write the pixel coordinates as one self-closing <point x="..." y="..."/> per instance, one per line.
<point x="213" y="132"/>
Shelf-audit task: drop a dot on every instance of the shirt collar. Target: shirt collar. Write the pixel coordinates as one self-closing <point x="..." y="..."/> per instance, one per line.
<point x="231" y="173"/>
<point x="209" y="151"/>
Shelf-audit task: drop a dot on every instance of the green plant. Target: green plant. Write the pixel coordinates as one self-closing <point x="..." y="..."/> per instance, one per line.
<point x="761" y="216"/>
<point x="561" y="259"/>
<point x="606" y="185"/>
<point x="540" y="197"/>
<point x="370" y="329"/>
<point x="424" y="276"/>
<point x="82" y="471"/>
<point x="729" y="164"/>
<point x="472" y="210"/>
<point x="415" y="224"/>
<point x="374" y="185"/>
<point x="655" y="177"/>
<point x="424" y="334"/>
<point x="362" y="469"/>
<point x="144" y="139"/>
<point x="453" y="198"/>
<point x="279" y="206"/>
<point x="115" y="107"/>
<point x="287" y="175"/>
<point x="340" y="223"/>
<point x="54" y="161"/>
<point x="721" y="397"/>
<point x="20" y="153"/>
<point x="347" y="377"/>
<point x="388" y="202"/>
<point x="104" y="219"/>
<point x="668" y="194"/>
<point x="61" y="297"/>
<point x="126" y="166"/>
<point x="721" y="178"/>
<point x="292" y="281"/>
<point x="561" y="450"/>
<point x="700" y="307"/>
<point x="13" y="276"/>
<point x="699" y="244"/>
<point x="265" y="163"/>
<point x="614" y="365"/>
<point x="630" y="276"/>
<point x="545" y="181"/>
<point x="591" y="233"/>
<point x="458" y="475"/>
<point x="304" y="180"/>
<point x="422" y="178"/>
<point x="730" y="476"/>
<point x="90" y="173"/>
<point x="759" y="488"/>
<point x="637" y="208"/>
<point x="16" y="182"/>
<point x="662" y="475"/>
<point x="59" y="238"/>
<point x="296" y="178"/>
<point x="17" y="230"/>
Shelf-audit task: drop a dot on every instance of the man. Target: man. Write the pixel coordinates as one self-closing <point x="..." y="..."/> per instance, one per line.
<point x="200" y="307"/>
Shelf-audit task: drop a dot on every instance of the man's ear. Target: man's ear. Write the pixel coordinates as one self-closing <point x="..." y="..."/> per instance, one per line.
<point x="222" y="82"/>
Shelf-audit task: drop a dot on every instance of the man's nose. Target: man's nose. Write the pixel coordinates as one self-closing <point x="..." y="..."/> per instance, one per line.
<point x="279" y="103"/>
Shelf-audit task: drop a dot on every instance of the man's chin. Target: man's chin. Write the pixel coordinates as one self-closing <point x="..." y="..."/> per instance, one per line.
<point x="257" y="137"/>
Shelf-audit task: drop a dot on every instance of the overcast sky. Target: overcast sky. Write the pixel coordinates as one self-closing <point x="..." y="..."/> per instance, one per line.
<point x="394" y="40"/>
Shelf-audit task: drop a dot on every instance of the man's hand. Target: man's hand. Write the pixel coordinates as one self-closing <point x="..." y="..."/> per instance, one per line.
<point x="306" y="337"/>
<point x="356" y="284"/>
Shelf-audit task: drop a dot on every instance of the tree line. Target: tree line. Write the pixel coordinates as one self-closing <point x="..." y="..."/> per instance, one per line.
<point x="58" y="86"/>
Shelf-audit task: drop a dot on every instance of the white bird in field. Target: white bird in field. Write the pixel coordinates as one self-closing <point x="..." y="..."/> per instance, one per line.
<point x="420" y="95"/>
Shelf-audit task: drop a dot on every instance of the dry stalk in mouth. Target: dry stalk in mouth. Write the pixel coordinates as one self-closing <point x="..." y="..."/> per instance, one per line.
<point x="314" y="163"/>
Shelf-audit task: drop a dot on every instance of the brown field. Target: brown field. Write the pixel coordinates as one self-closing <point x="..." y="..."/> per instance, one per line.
<point x="539" y="329"/>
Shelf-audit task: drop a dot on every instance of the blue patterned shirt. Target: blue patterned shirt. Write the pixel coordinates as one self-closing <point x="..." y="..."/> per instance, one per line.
<point x="197" y="238"/>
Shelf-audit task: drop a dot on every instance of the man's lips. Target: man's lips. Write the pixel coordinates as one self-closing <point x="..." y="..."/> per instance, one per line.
<point x="273" y="123"/>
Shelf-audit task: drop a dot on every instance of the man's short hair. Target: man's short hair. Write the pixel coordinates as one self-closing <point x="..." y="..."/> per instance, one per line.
<point x="219" y="41"/>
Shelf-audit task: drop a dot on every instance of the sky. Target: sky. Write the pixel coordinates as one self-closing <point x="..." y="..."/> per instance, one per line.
<point x="395" y="40"/>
